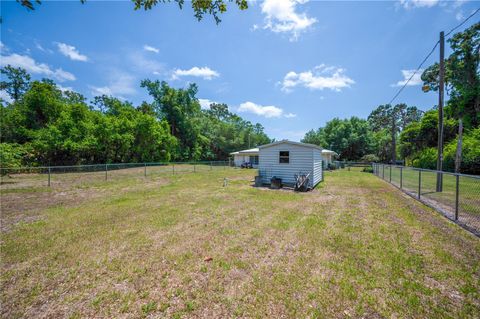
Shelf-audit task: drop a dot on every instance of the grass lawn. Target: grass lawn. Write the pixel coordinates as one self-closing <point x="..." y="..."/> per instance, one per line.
<point x="137" y="247"/>
<point x="469" y="192"/>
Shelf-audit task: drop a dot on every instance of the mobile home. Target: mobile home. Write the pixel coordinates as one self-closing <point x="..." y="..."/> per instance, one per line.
<point x="246" y="156"/>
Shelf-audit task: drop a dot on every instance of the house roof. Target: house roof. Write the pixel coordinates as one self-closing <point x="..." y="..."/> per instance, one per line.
<point x="292" y="143"/>
<point x="329" y="152"/>
<point x="249" y="151"/>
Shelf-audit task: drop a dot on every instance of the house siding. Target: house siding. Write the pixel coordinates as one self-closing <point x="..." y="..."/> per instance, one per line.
<point x="317" y="167"/>
<point x="301" y="161"/>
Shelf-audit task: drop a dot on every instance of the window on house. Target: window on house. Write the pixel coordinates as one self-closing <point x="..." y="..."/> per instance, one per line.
<point x="284" y="157"/>
<point x="254" y="160"/>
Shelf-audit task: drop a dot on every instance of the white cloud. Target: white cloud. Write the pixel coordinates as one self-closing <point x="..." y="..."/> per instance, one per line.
<point x="203" y="72"/>
<point x="321" y="77"/>
<point x="459" y="16"/>
<point x="281" y="16"/>
<point x="416" y="79"/>
<point x="4" y="96"/>
<point x="29" y="64"/>
<point x="71" y="52"/>
<point x="62" y="75"/>
<point x="120" y="84"/>
<point x="408" y="4"/>
<point x="64" y="88"/>
<point x="41" y="48"/>
<point x="458" y="3"/>
<point x="149" y="48"/>
<point x="205" y="103"/>
<point x="143" y="64"/>
<point x="266" y="111"/>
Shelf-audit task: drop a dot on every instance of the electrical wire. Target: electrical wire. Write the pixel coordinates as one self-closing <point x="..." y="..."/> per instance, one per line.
<point x="429" y="54"/>
<point x="463" y="22"/>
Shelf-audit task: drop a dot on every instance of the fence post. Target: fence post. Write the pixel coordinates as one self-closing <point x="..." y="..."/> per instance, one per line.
<point x="106" y="171"/>
<point x="383" y="171"/>
<point x="390" y="180"/>
<point x="401" y="177"/>
<point x="419" y="183"/>
<point x="456" y="195"/>
<point x="211" y="165"/>
<point x="49" y="176"/>
<point x="145" y="170"/>
<point x="173" y="168"/>
<point x="194" y="169"/>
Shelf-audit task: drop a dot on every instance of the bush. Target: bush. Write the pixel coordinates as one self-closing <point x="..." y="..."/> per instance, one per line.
<point x="13" y="155"/>
<point x="368" y="169"/>
<point x="370" y="158"/>
<point x="427" y="158"/>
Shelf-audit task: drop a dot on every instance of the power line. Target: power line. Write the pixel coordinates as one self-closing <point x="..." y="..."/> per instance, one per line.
<point x="415" y="72"/>
<point x="463" y="22"/>
<point x="429" y="54"/>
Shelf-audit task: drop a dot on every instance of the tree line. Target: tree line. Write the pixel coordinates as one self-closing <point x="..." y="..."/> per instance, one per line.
<point x="43" y="125"/>
<point x="393" y="132"/>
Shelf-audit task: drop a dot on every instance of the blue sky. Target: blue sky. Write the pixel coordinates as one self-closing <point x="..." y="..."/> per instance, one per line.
<point x="291" y="65"/>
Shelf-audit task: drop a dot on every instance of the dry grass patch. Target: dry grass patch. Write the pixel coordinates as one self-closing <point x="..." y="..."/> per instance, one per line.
<point x="353" y="247"/>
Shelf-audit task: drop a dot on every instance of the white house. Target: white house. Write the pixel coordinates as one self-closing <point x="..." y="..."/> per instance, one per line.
<point x="246" y="156"/>
<point x="285" y="159"/>
<point x="328" y="157"/>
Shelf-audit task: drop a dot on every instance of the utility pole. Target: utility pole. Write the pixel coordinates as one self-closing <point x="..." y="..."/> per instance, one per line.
<point x="441" y="85"/>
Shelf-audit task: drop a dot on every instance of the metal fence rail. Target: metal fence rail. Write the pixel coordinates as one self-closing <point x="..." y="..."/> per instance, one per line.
<point x="458" y="198"/>
<point x="56" y="175"/>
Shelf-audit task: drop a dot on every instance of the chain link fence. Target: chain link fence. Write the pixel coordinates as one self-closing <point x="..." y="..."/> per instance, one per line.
<point x="456" y="196"/>
<point x="55" y="176"/>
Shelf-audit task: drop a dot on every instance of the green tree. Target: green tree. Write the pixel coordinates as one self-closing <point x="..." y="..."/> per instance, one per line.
<point x="17" y="82"/>
<point x="424" y="134"/>
<point x="200" y="7"/>
<point x="350" y="138"/>
<point x="316" y="137"/>
<point x="393" y="119"/>
<point x="50" y="127"/>
<point x="462" y="76"/>
<point x="181" y="109"/>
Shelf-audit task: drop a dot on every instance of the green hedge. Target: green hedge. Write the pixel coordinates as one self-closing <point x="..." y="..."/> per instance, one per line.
<point x="427" y="158"/>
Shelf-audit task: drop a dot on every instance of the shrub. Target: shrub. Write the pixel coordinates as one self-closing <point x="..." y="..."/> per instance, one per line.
<point x="470" y="164"/>
<point x="370" y="158"/>
<point x="367" y="169"/>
